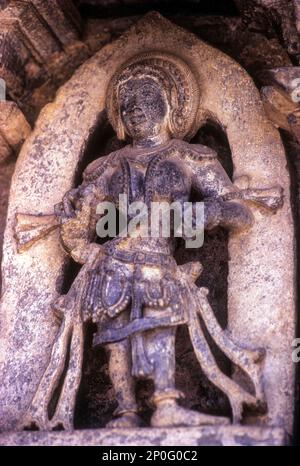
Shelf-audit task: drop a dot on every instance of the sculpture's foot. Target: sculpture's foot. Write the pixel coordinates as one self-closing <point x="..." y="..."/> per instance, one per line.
<point x="41" y="422"/>
<point x="125" y="420"/>
<point x="61" y="424"/>
<point x="238" y="403"/>
<point x="34" y="421"/>
<point x="171" y="415"/>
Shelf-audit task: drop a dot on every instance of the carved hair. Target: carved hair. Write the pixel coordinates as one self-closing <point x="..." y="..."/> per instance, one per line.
<point x="178" y="82"/>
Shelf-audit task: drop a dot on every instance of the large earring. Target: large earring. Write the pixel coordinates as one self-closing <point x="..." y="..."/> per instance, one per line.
<point x="120" y="129"/>
<point x="173" y="105"/>
<point x="170" y="124"/>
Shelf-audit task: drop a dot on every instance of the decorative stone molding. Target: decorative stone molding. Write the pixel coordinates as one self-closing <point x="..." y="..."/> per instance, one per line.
<point x="39" y="48"/>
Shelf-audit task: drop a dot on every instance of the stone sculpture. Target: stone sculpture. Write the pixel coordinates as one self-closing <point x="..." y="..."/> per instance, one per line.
<point x="131" y="287"/>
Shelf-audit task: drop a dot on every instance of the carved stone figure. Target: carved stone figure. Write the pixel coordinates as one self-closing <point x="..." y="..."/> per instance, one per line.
<point x="131" y="287"/>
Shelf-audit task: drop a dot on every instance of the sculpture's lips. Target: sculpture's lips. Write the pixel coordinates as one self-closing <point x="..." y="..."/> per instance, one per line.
<point x="136" y="116"/>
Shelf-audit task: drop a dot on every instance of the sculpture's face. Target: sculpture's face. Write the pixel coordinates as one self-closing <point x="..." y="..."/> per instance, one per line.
<point x="143" y="107"/>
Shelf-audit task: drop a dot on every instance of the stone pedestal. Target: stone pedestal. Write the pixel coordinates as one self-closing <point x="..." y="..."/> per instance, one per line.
<point x="180" y="436"/>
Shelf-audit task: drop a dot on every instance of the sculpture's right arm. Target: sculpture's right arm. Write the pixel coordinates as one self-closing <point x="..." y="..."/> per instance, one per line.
<point x="77" y="216"/>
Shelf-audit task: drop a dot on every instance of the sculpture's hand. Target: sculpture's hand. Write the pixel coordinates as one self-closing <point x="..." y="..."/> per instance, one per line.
<point x="85" y="252"/>
<point x="74" y="200"/>
<point x="212" y="213"/>
<point x="77" y="224"/>
<point x="236" y="216"/>
<point x="74" y="233"/>
<point x="67" y="208"/>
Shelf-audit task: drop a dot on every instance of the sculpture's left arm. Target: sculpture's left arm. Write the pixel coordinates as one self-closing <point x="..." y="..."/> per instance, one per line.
<point x="211" y="180"/>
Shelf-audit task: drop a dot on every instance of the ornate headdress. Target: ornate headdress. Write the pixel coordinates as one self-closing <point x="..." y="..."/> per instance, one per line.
<point x="177" y="80"/>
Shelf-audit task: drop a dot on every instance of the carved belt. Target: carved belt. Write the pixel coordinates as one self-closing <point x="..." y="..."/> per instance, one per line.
<point x="137" y="257"/>
<point x="137" y="326"/>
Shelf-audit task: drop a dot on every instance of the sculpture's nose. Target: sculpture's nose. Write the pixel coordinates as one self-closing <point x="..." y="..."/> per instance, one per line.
<point x="135" y="103"/>
<point x="136" y="111"/>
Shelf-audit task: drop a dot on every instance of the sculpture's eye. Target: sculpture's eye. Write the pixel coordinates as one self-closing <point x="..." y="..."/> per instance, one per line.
<point x="146" y="93"/>
<point x="149" y="93"/>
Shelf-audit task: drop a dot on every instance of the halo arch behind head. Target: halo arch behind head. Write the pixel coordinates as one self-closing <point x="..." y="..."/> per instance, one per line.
<point x="178" y="80"/>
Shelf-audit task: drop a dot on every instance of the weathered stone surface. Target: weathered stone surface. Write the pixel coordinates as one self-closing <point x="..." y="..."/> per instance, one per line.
<point x="200" y="436"/>
<point x="3" y="4"/>
<point x="15" y="59"/>
<point x="5" y="150"/>
<point x="34" y="82"/>
<point x="140" y="75"/>
<point x="258" y="302"/>
<point x="39" y="49"/>
<point x="62" y="17"/>
<point x="294" y="121"/>
<point x="42" y="42"/>
<point x="14" y="127"/>
<point x="278" y="107"/>
<point x="252" y="49"/>
<point x="297" y="14"/>
<point x="288" y="80"/>
<point x="269" y="15"/>
<point x="282" y="99"/>
<point x="6" y="171"/>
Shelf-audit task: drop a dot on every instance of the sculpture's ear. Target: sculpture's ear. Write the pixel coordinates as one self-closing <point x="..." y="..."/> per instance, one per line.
<point x="121" y="134"/>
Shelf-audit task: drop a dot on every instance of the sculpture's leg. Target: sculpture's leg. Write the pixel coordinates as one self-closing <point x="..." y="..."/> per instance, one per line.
<point x="160" y="347"/>
<point x="123" y="383"/>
